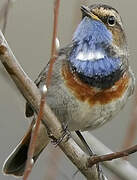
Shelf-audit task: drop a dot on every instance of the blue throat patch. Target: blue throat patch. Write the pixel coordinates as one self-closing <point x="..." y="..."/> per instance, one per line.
<point x="91" y="37"/>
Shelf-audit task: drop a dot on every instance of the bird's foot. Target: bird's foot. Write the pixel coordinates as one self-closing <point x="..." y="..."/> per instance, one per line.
<point x="65" y="135"/>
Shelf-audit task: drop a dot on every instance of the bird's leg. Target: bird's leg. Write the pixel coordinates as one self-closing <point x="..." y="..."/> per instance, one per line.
<point x="85" y="143"/>
<point x="99" y="169"/>
<point x="65" y="134"/>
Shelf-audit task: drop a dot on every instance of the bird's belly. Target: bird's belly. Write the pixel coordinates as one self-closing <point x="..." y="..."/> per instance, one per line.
<point x="81" y="115"/>
<point x="93" y="117"/>
<point x="80" y="109"/>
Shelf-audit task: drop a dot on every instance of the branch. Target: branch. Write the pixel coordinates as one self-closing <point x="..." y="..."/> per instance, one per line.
<point x="4" y="11"/>
<point x="32" y="94"/>
<point x="54" y="37"/>
<point x="6" y="16"/>
<point x="30" y="155"/>
<point x="110" y="157"/>
<point x="121" y="168"/>
<point x="29" y="163"/>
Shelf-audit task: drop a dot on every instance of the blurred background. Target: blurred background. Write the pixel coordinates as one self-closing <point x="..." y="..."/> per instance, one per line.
<point x="29" y="33"/>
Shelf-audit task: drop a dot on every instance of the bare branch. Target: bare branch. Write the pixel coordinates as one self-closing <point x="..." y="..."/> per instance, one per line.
<point x="108" y="157"/>
<point x="32" y="144"/>
<point x="7" y="7"/>
<point x="121" y="168"/>
<point x="43" y="97"/>
<point x="53" y="48"/>
<point x="4" y="11"/>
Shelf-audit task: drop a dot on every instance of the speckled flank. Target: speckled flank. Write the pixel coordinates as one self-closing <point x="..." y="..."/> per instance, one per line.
<point x="93" y="96"/>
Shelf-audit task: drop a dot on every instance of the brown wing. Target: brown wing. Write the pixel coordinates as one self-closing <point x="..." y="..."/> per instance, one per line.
<point x="41" y="77"/>
<point x="29" y="112"/>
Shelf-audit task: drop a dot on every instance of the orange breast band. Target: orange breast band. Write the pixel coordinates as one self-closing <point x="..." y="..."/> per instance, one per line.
<point x="92" y="95"/>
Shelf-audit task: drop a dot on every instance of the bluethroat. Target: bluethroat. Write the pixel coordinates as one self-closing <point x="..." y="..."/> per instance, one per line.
<point x="91" y="80"/>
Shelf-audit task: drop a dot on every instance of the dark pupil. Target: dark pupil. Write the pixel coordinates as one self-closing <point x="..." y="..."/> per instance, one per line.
<point x="111" y="20"/>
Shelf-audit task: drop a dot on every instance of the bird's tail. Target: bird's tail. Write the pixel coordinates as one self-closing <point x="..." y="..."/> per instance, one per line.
<point x="15" y="163"/>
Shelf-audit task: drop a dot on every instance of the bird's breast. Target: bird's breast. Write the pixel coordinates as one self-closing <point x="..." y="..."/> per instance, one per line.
<point x="85" y="93"/>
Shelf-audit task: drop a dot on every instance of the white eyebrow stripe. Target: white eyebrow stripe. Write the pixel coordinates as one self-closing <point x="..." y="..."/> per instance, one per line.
<point x="90" y="56"/>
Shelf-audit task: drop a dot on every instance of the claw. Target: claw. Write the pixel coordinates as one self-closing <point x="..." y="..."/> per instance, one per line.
<point x="65" y="135"/>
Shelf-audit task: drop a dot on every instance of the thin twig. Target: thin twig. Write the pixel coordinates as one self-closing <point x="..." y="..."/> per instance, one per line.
<point x="122" y="168"/>
<point x="2" y="11"/>
<point x="53" y="48"/>
<point x="43" y="98"/>
<point x="31" y="149"/>
<point x="6" y="16"/>
<point x="108" y="157"/>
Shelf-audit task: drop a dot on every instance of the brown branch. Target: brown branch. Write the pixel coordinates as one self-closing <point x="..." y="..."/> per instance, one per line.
<point x="6" y="12"/>
<point x="2" y="11"/>
<point x="53" y="48"/>
<point x="32" y="144"/>
<point x="31" y="150"/>
<point x="108" y="157"/>
<point x="123" y="169"/>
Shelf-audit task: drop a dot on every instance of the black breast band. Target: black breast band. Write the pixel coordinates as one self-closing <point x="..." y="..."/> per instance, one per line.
<point x="102" y="82"/>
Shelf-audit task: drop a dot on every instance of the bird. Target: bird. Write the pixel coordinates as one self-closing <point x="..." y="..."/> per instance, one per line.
<point x="91" y="81"/>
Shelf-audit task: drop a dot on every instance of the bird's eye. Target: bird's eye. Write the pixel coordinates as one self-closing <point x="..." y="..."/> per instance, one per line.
<point x="111" y="20"/>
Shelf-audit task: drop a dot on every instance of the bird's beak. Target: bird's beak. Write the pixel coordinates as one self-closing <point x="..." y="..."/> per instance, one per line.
<point x="87" y="12"/>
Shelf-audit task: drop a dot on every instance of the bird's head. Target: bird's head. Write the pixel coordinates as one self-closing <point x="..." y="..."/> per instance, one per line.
<point x="110" y="18"/>
<point x="99" y="53"/>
